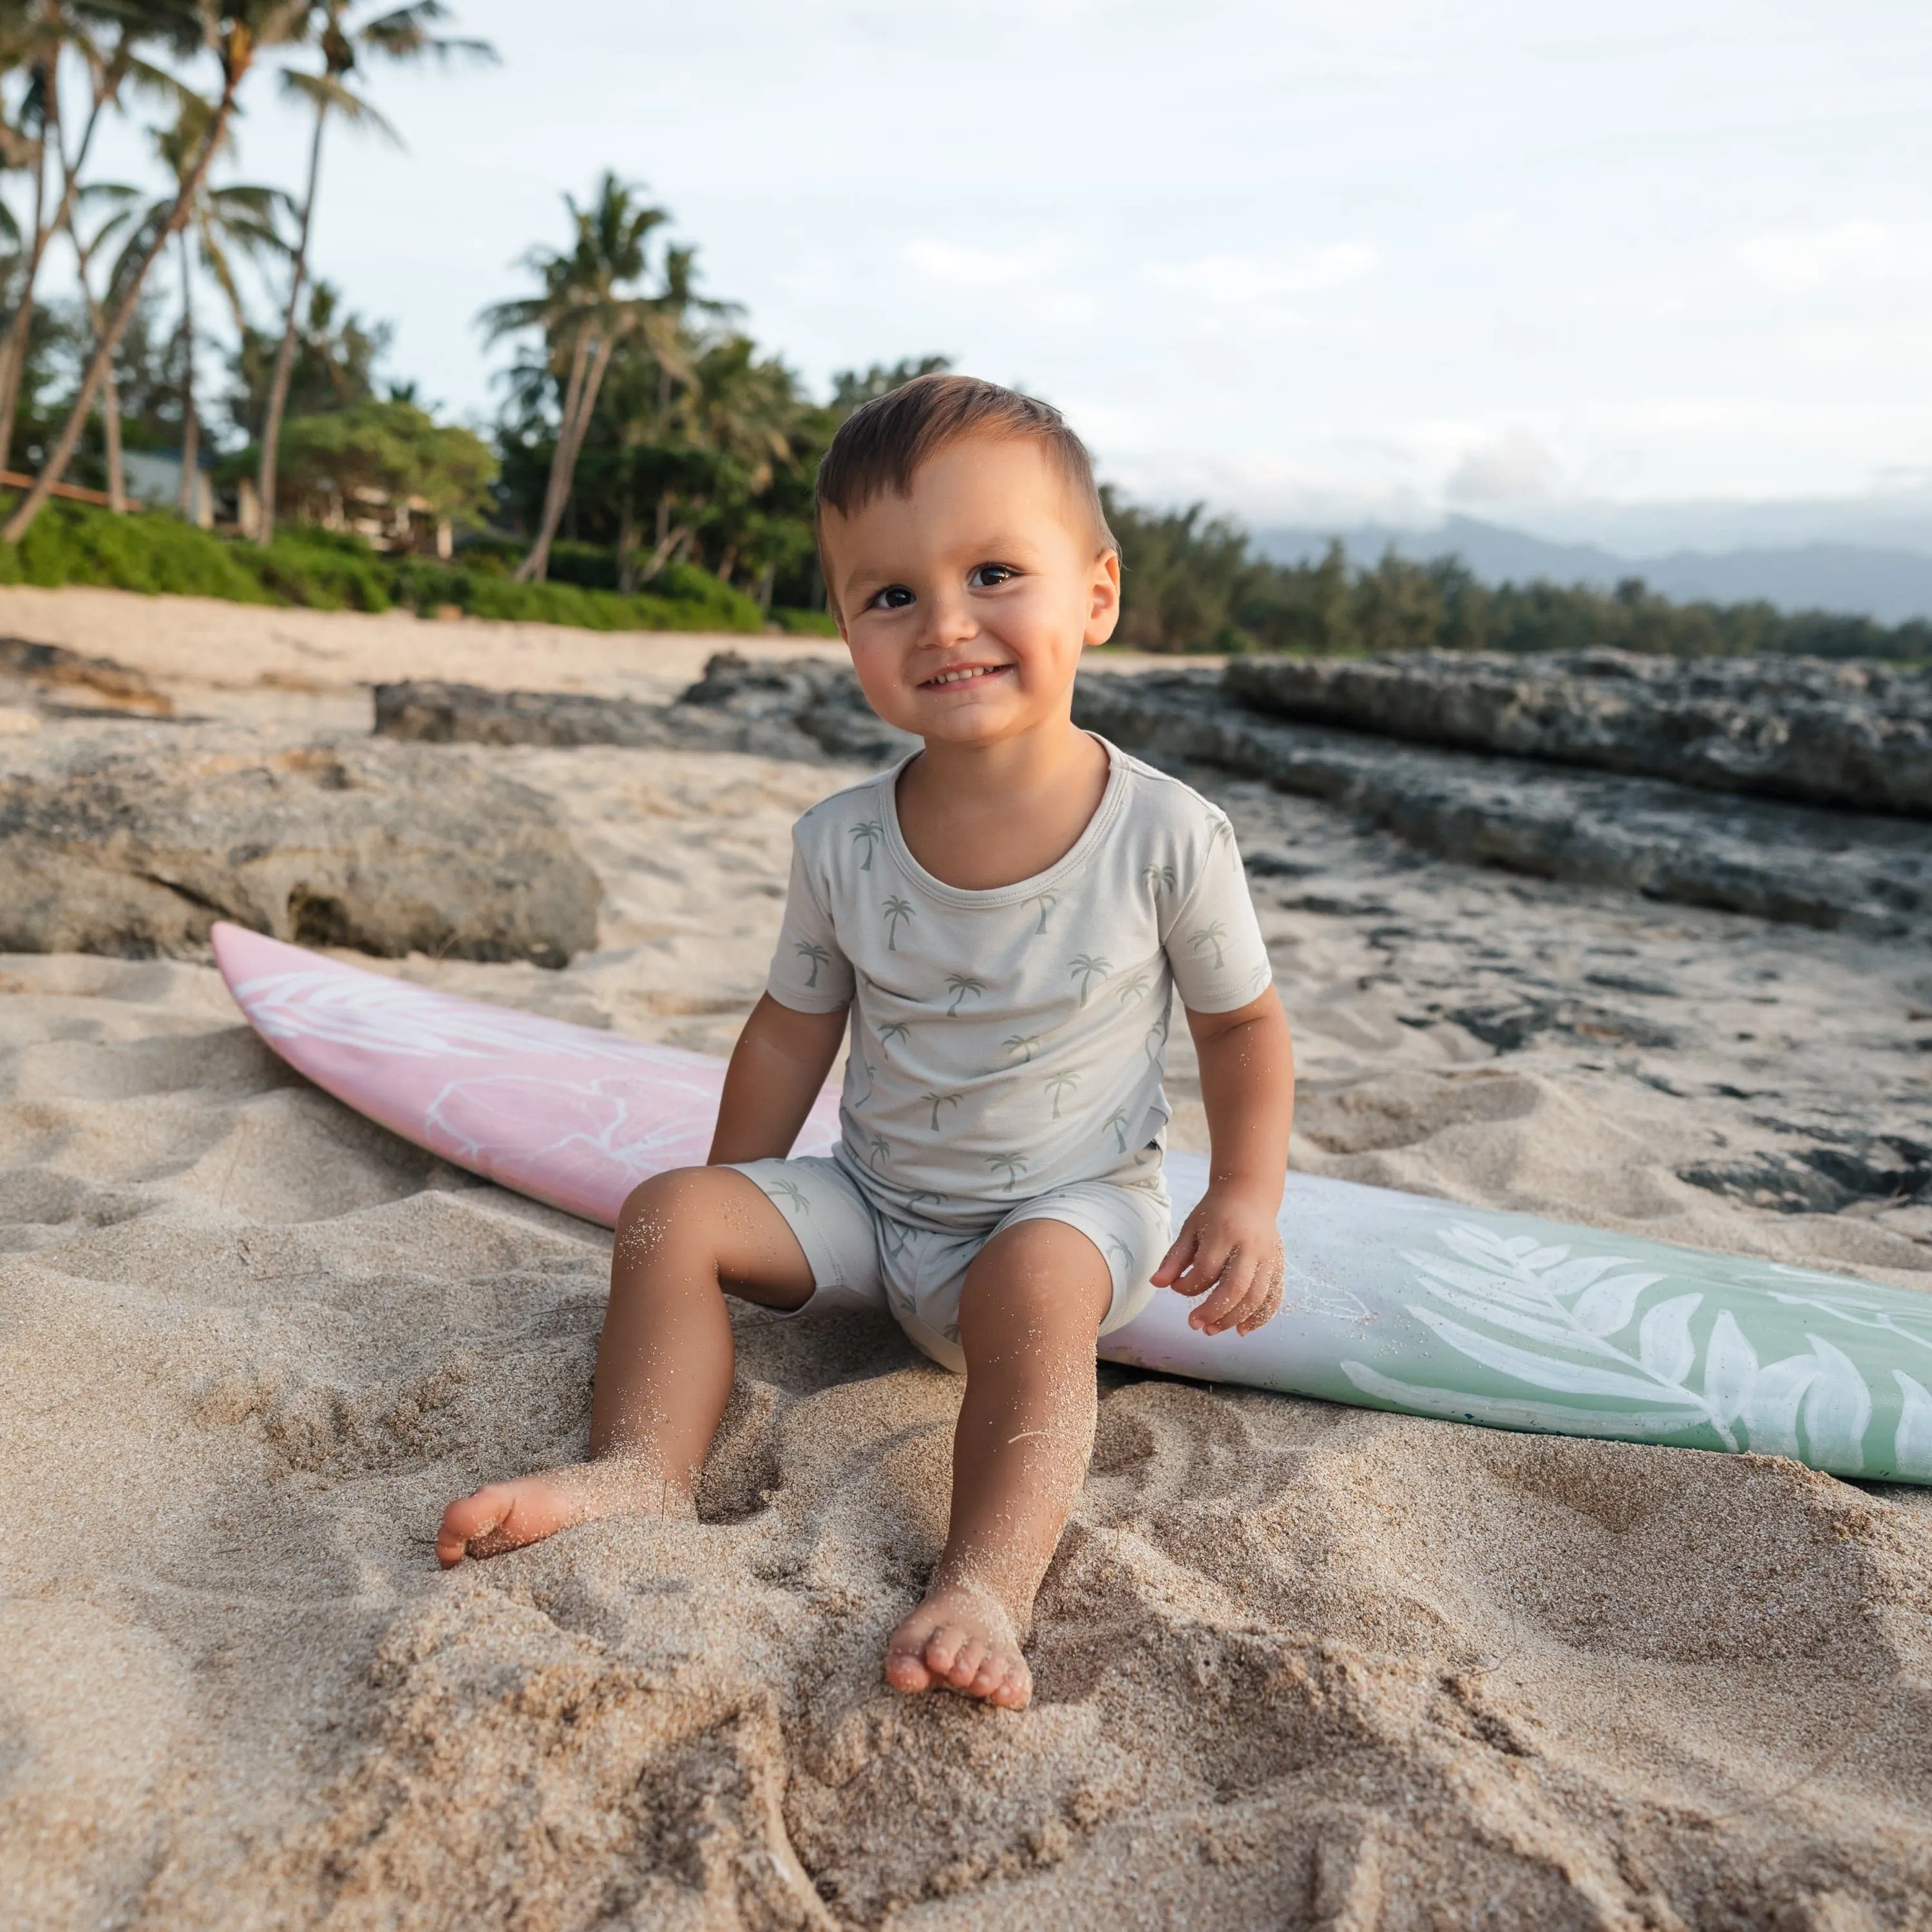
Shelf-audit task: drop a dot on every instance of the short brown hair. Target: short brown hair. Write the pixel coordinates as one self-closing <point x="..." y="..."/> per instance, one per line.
<point x="881" y="445"/>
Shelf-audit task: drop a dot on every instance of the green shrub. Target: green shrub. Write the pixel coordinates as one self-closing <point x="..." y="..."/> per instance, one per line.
<point x="323" y="570"/>
<point x="806" y="623"/>
<point x="73" y="543"/>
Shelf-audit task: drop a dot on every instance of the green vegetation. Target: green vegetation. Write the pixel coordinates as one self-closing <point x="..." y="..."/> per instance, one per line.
<point x="1191" y="583"/>
<point x="71" y="543"/>
<point x="651" y="467"/>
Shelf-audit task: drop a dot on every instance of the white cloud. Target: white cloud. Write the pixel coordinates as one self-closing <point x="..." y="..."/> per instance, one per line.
<point x="1861" y="253"/>
<point x="1516" y="465"/>
<point x="1235" y="281"/>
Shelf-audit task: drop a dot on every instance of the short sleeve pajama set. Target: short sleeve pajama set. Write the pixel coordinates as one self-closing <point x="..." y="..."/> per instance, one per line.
<point x="1006" y="1047"/>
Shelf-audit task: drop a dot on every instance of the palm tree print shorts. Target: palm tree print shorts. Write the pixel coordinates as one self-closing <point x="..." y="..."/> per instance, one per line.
<point x="861" y="1257"/>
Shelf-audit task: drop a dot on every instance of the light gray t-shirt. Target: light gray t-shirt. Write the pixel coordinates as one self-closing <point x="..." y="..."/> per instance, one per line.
<point x="1004" y="1043"/>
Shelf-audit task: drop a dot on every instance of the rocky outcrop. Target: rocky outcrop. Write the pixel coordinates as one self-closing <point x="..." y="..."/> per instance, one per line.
<point x="65" y="681"/>
<point x="804" y="708"/>
<point x="1852" y="735"/>
<point x="135" y="848"/>
<point x="819" y="696"/>
<point x="1830" y="869"/>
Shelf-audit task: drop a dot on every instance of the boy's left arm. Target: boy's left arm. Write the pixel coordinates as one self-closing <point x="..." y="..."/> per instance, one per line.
<point x="1229" y="1248"/>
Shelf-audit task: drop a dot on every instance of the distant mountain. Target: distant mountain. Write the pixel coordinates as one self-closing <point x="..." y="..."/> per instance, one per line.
<point x="1888" y="584"/>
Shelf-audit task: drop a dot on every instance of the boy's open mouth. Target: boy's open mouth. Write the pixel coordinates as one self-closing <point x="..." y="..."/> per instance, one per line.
<point x="962" y="674"/>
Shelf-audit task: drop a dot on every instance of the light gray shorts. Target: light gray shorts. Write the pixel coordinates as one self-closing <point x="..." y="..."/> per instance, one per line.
<point x="862" y="1258"/>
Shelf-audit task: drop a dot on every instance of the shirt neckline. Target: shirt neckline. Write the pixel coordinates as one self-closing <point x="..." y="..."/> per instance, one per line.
<point x="1070" y="861"/>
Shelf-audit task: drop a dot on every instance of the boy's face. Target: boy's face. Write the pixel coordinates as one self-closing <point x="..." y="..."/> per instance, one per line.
<point x="966" y="604"/>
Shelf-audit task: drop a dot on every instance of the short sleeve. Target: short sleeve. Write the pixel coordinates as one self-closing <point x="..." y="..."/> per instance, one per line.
<point x="810" y="973"/>
<point x="1215" y="945"/>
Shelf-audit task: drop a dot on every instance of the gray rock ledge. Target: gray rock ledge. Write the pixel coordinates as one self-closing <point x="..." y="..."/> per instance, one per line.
<point x="134" y="843"/>
<point x="1858" y="735"/>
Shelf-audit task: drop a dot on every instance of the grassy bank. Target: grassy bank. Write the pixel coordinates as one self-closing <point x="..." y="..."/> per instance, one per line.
<point x="75" y="544"/>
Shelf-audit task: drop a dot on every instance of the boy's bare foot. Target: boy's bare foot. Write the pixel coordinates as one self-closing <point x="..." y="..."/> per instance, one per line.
<point x="961" y="1638"/>
<point x="506" y="1516"/>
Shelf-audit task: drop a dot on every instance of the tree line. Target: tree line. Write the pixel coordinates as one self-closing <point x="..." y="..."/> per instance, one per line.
<point x="646" y="444"/>
<point x="1192" y="582"/>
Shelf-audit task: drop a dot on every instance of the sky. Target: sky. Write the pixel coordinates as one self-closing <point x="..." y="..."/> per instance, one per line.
<point x="1531" y="260"/>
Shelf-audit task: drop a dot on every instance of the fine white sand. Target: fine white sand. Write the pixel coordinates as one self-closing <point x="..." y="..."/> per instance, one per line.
<point x="1297" y="1665"/>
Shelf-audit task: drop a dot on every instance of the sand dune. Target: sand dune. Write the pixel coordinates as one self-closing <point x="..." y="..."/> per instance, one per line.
<point x="1297" y="1665"/>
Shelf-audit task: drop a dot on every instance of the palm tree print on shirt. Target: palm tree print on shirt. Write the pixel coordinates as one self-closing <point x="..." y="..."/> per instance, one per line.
<point x="1021" y="1043"/>
<point x="1059" y="1085"/>
<point x="1117" y="1121"/>
<point x="1010" y="1165"/>
<point x="1135" y="986"/>
<point x="1087" y="967"/>
<point x="1160" y="878"/>
<point x="892" y="1029"/>
<point x="794" y="1196"/>
<point x="878" y="1149"/>
<point x="1046" y="901"/>
<point x="937" y="1101"/>
<point x="963" y="986"/>
<point x="867" y="836"/>
<point x="816" y="954"/>
<point x="1155" y="1042"/>
<point x="895" y="909"/>
<point x="1203" y="937"/>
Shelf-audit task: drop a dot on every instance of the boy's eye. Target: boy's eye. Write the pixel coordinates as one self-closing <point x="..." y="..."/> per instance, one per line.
<point x="990" y="576"/>
<point x="894" y="597"/>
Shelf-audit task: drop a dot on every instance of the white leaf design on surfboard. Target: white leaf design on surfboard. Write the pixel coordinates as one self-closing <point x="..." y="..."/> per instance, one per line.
<point x="1817" y="1406"/>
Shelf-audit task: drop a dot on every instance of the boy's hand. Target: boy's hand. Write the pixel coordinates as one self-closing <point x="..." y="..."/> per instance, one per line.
<point x="1230" y="1250"/>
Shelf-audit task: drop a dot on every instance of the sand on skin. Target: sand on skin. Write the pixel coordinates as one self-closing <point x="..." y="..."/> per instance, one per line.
<point x="1296" y="1664"/>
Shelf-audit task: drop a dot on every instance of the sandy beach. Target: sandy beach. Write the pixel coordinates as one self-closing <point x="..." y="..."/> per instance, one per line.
<point x="1297" y="1665"/>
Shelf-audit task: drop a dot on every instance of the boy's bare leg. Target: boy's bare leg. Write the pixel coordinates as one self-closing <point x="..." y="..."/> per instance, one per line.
<point x="664" y="1366"/>
<point x="1034" y="1302"/>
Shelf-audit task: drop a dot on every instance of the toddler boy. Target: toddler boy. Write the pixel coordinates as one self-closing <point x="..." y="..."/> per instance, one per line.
<point x="996" y="927"/>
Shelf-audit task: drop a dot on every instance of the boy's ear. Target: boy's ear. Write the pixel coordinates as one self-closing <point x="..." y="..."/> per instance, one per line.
<point x="1103" y="598"/>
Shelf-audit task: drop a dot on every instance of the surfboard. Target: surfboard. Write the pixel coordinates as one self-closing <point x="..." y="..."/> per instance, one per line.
<point x="1394" y="1301"/>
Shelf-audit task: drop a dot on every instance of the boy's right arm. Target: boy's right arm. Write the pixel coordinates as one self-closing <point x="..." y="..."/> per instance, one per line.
<point x="777" y="1068"/>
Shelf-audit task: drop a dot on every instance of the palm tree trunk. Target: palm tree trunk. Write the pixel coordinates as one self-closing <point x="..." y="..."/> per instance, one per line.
<point x="536" y="565"/>
<point x="13" y="352"/>
<point x="58" y="457"/>
<point x="285" y="354"/>
<point x="13" y="355"/>
<point x="117" y="466"/>
<point x="563" y="467"/>
<point x="191" y="423"/>
<point x="627" y="544"/>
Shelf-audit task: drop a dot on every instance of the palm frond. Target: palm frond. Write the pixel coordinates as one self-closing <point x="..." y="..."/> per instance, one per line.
<point x="328" y="95"/>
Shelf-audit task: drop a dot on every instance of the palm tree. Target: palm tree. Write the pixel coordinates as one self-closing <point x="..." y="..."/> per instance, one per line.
<point x="1046" y="901"/>
<point x="1135" y="986"/>
<point x="1202" y="937"/>
<point x="937" y="1101"/>
<point x="1087" y="967"/>
<point x="118" y="200"/>
<point x="1059" y="1085"/>
<point x="403" y="34"/>
<point x="817" y="954"/>
<point x="868" y="835"/>
<point x="33" y="40"/>
<point x="892" y="1029"/>
<point x="1117" y="1121"/>
<point x="221" y="222"/>
<point x="878" y="1149"/>
<point x="895" y="909"/>
<point x="590" y="303"/>
<point x="236" y="32"/>
<point x="963" y="986"/>
<point x="1021" y="1043"/>
<point x="1158" y="876"/>
<point x="1010" y="1165"/>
